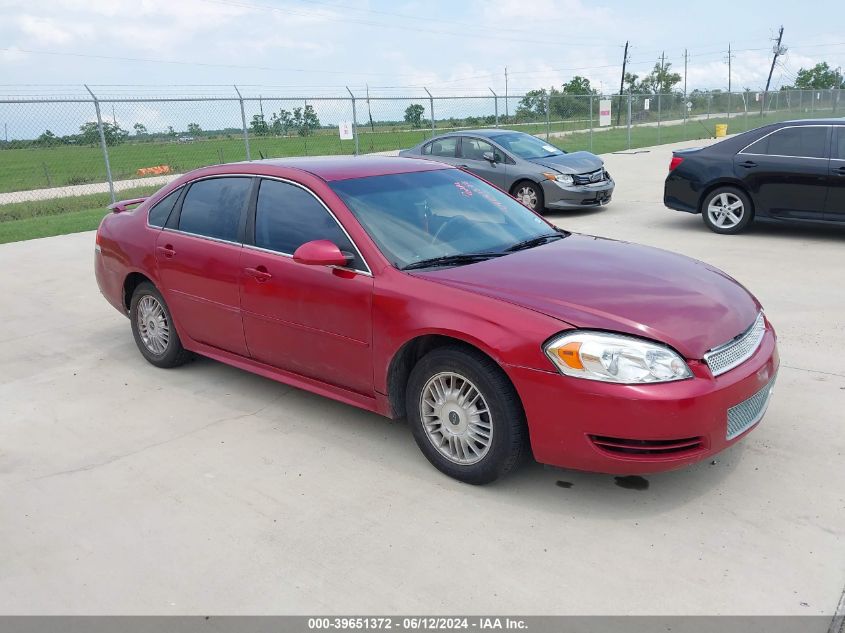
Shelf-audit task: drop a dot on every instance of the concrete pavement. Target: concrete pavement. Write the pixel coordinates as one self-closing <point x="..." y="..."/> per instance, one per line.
<point x="208" y="490"/>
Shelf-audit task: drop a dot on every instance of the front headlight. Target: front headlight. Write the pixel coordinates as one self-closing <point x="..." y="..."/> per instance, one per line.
<point x="615" y="358"/>
<point x="564" y="179"/>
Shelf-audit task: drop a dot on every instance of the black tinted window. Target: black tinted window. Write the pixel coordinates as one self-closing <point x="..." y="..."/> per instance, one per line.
<point x="804" y="141"/>
<point x="287" y="216"/>
<point x="213" y="207"/>
<point x="161" y="211"/>
<point x="839" y="147"/>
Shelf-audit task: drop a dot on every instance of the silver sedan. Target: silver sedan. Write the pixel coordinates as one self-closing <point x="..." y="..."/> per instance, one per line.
<point x="535" y="172"/>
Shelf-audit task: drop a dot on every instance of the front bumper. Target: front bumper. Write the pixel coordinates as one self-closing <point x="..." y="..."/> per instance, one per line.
<point x="635" y="429"/>
<point x="559" y="196"/>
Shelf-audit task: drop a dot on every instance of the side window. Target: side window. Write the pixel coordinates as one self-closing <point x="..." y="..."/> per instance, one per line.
<point x="839" y="144"/>
<point x="473" y="149"/>
<point x="445" y="147"/>
<point x="287" y="216"/>
<point x="161" y="211"/>
<point x="801" y="142"/>
<point x="213" y="207"/>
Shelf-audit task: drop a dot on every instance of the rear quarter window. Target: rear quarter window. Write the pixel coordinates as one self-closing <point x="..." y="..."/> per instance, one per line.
<point x="161" y="211"/>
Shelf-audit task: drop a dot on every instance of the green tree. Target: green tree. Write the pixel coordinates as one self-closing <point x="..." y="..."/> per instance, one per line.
<point x="414" y="115"/>
<point x="532" y="104"/>
<point x="48" y="139"/>
<point x="310" y="122"/>
<point x="258" y="125"/>
<point x="140" y="129"/>
<point x="194" y="129"/>
<point x="819" y="77"/>
<point x="89" y="133"/>
<point x="578" y="85"/>
<point x="282" y="122"/>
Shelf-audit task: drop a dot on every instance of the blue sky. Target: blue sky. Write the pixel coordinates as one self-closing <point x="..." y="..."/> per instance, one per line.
<point x="316" y="47"/>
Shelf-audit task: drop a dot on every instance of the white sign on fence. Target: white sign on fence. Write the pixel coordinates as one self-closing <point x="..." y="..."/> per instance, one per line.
<point x="345" y="129"/>
<point x="646" y="104"/>
<point x="604" y="112"/>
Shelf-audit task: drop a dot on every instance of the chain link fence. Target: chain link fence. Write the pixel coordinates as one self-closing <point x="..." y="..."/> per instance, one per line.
<point x="54" y="149"/>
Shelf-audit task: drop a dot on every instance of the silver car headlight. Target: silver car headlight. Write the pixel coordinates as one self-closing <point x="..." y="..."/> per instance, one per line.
<point x="564" y="179"/>
<point x="615" y="358"/>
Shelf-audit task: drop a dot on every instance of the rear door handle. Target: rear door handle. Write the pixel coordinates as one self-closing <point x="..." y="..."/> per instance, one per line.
<point x="165" y="251"/>
<point x="259" y="273"/>
<point x="748" y="164"/>
<point x="840" y="171"/>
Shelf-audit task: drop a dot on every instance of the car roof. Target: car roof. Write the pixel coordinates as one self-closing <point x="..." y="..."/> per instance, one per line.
<point x="828" y="121"/>
<point x="331" y="168"/>
<point x="485" y="132"/>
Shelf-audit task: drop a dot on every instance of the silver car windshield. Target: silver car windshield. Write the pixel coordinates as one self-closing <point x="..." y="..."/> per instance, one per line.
<point x="446" y="214"/>
<point x="526" y="146"/>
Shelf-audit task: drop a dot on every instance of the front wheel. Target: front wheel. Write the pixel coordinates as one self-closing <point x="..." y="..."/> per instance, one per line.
<point x="465" y="415"/>
<point x="727" y="210"/>
<point x="530" y="194"/>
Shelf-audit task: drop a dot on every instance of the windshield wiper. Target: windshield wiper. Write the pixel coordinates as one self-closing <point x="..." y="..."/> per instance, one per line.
<point x="449" y="260"/>
<point x="535" y="241"/>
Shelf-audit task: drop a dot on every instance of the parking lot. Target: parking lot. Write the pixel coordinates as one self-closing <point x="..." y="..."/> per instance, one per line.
<point x="205" y="489"/>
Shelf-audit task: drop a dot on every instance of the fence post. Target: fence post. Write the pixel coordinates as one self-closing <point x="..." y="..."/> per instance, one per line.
<point x="629" y="118"/>
<point x="659" y="115"/>
<point x="591" y="121"/>
<point x="548" y="120"/>
<point x="103" y="145"/>
<point x="495" y="105"/>
<point x="243" y="123"/>
<point x="354" y="120"/>
<point x="431" y="108"/>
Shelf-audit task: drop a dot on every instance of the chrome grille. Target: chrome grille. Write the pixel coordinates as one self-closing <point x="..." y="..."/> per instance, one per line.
<point x="589" y="178"/>
<point x="737" y="351"/>
<point x="749" y="412"/>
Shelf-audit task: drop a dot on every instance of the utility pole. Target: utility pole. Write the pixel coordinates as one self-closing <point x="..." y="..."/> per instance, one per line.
<point x="777" y="50"/>
<point x="622" y="83"/>
<point x="730" y="58"/>
<point x="506" y="94"/>
<point x="686" y="107"/>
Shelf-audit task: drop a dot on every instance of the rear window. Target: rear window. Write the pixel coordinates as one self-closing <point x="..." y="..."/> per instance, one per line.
<point x="213" y="207"/>
<point x="161" y="211"/>
<point x="801" y="142"/>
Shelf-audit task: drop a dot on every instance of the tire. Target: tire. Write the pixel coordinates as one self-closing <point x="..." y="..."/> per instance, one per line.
<point x="464" y="453"/>
<point x="527" y="191"/>
<point x="153" y="330"/>
<point x="730" y="206"/>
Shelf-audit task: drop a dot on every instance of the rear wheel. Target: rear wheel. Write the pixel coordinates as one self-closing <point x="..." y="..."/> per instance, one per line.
<point x="727" y="210"/>
<point x="530" y="194"/>
<point x="465" y="415"/>
<point x="153" y="330"/>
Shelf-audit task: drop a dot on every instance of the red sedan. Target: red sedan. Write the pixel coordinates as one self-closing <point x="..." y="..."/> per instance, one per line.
<point x="419" y="291"/>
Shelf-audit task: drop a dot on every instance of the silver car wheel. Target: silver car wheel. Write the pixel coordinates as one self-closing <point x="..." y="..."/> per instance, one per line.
<point x="152" y="325"/>
<point x="725" y="210"/>
<point x="528" y="196"/>
<point x="456" y="418"/>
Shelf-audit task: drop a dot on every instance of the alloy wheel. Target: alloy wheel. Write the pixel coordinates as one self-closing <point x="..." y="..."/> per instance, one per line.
<point x="528" y="196"/>
<point x="726" y="210"/>
<point x="153" y="325"/>
<point x="456" y="418"/>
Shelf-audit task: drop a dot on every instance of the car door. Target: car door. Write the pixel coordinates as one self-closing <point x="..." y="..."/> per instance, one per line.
<point x="311" y="320"/>
<point x="835" y="208"/>
<point x="443" y="149"/>
<point x="786" y="171"/>
<point x="198" y="259"/>
<point x="472" y="152"/>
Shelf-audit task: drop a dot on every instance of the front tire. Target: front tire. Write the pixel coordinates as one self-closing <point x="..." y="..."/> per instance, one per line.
<point x="530" y="194"/>
<point x="465" y="415"/>
<point x="727" y="210"/>
<point x="153" y="329"/>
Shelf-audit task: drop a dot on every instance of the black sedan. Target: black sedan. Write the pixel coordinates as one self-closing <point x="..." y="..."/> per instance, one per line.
<point x="785" y="172"/>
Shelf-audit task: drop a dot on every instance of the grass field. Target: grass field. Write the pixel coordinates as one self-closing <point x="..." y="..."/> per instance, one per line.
<point x="23" y="169"/>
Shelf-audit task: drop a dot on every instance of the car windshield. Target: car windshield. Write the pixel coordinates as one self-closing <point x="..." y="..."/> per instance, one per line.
<point x="441" y="217"/>
<point x="526" y="146"/>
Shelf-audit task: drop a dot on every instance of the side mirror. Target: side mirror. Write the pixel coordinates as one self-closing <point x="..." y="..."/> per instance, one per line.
<point x="320" y="253"/>
<point x="489" y="156"/>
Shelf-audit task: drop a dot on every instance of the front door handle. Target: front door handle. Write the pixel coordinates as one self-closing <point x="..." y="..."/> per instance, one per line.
<point x="166" y="251"/>
<point x="259" y="273"/>
<point x="748" y="164"/>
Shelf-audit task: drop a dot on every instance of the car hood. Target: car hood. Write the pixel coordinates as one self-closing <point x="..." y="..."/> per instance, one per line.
<point x="574" y="163"/>
<point x="597" y="283"/>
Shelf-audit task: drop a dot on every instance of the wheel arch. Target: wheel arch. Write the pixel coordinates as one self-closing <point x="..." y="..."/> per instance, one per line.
<point x="410" y="352"/>
<point x="725" y="182"/>
<point x="132" y="281"/>
<point x="521" y="180"/>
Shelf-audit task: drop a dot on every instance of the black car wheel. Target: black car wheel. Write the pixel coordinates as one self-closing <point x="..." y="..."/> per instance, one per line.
<point x="465" y="415"/>
<point x="530" y="194"/>
<point x="727" y="210"/>
<point x="153" y="330"/>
